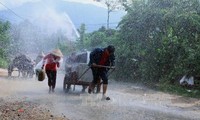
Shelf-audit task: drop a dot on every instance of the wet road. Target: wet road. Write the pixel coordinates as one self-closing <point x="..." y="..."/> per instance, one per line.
<point x="128" y="102"/>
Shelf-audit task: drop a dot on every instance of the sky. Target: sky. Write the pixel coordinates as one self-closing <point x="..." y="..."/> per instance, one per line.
<point x="15" y="3"/>
<point x="45" y="17"/>
<point x="52" y="20"/>
<point x="49" y="19"/>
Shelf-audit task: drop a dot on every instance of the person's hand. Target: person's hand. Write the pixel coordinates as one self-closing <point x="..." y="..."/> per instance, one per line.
<point x="42" y="67"/>
<point x="112" y="67"/>
<point x="94" y="64"/>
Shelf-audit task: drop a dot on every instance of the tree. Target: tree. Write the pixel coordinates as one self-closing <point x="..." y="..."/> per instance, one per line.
<point x="112" y="5"/>
<point x="162" y="37"/>
<point x="4" y="43"/>
<point x="100" y="38"/>
<point x="97" y="39"/>
<point x="82" y="35"/>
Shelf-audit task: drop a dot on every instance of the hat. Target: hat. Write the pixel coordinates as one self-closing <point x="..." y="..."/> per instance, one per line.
<point x="111" y="49"/>
<point x="57" y="52"/>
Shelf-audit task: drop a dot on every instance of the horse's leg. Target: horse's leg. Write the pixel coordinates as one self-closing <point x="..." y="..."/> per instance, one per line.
<point x="26" y="74"/>
<point x="10" y="73"/>
<point x="10" y="70"/>
<point x="19" y="73"/>
<point x="23" y="73"/>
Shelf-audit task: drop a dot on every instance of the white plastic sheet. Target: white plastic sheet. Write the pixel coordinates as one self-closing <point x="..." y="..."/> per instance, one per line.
<point x="39" y="65"/>
<point x="189" y="81"/>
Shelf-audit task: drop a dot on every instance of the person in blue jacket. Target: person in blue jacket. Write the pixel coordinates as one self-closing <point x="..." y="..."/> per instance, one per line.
<point x="101" y="60"/>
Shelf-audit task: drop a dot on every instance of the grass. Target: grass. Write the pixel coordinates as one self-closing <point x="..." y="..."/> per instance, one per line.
<point x="193" y="92"/>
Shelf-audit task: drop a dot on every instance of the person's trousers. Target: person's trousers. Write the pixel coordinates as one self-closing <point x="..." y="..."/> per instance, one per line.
<point x="99" y="73"/>
<point x="51" y="75"/>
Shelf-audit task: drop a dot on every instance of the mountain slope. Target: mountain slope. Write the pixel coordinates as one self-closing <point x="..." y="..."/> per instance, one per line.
<point x="93" y="16"/>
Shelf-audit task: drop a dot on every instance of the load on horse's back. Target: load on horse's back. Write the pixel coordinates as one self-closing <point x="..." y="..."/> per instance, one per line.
<point x="24" y="64"/>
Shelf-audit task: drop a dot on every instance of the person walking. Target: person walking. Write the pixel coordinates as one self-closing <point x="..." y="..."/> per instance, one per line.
<point x="51" y="62"/>
<point x="101" y="60"/>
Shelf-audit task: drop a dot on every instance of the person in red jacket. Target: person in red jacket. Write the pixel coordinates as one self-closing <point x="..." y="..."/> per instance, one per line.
<point x="101" y="60"/>
<point x="51" y="62"/>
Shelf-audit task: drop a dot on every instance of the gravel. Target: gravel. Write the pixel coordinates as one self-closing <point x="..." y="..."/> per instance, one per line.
<point x="25" y="110"/>
<point x="28" y="99"/>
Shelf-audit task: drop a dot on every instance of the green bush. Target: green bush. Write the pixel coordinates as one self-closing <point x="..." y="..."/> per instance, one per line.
<point x="3" y="63"/>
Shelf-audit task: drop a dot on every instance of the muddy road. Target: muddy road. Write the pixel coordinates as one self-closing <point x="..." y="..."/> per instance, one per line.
<point x="128" y="101"/>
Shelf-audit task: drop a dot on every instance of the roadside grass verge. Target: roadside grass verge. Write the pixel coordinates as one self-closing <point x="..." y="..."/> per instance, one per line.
<point x="185" y="91"/>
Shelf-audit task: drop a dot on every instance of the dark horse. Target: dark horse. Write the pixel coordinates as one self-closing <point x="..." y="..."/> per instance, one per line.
<point x="24" y="65"/>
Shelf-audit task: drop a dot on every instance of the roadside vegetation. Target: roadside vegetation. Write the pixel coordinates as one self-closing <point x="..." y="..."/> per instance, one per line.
<point x="4" y="43"/>
<point x="157" y="43"/>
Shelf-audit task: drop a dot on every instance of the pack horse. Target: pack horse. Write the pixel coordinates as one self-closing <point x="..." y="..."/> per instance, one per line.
<point x="24" y="65"/>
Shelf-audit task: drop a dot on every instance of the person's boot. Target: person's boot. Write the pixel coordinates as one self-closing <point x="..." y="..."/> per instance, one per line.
<point x="104" y="97"/>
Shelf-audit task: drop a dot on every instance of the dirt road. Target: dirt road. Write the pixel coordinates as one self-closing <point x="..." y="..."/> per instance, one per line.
<point x="128" y="101"/>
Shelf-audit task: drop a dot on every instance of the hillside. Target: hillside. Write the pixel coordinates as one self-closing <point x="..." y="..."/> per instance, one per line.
<point x="91" y="15"/>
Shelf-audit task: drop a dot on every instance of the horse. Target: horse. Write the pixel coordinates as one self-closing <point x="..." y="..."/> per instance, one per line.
<point x="24" y="65"/>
